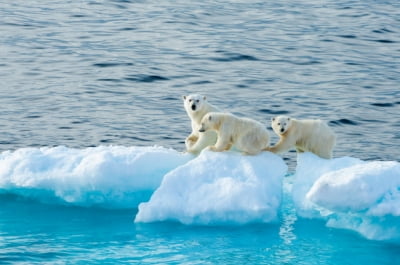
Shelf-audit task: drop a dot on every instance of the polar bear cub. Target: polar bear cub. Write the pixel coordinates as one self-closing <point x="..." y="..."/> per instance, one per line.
<point x="246" y="135"/>
<point x="305" y="135"/>
<point x="196" y="107"/>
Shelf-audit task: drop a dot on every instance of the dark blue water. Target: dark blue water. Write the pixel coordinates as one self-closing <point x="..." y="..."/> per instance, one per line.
<point x="90" y="73"/>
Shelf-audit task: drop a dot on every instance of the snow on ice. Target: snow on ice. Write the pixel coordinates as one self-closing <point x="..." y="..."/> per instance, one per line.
<point x="219" y="188"/>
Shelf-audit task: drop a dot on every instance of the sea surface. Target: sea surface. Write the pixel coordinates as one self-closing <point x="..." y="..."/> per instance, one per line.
<point x="85" y="74"/>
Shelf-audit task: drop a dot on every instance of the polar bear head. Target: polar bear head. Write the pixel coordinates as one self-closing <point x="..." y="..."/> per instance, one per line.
<point x="194" y="102"/>
<point x="281" y="124"/>
<point x="211" y="121"/>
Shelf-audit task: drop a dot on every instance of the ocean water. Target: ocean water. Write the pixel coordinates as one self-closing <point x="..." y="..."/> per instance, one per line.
<point x="96" y="74"/>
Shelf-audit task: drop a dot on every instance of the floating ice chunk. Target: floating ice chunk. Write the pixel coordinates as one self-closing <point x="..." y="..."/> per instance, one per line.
<point x="219" y="188"/>
<point x="113" y="176"/>
<point x="309" y="169"/>
<point x="350" y="193"/>
<point x="371" y="187"/>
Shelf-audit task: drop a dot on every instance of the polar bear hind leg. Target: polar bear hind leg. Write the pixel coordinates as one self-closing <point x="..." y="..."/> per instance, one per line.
<point x="249" y="144"/>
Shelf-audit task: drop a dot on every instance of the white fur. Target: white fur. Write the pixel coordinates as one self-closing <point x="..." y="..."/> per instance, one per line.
<point x="305" y="135"/>
<point x="246" y="135"/>
<point x="196" y="107"/>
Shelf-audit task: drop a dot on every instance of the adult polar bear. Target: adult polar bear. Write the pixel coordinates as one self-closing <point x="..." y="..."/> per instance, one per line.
<point x="196" y="107"/>
<point x="247" y="135"/>
<point x="305" y="135"/>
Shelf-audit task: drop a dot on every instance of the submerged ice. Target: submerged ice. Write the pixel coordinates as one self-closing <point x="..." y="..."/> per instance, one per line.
<point x="350" y="193"/>
<point x="219" y="188"/>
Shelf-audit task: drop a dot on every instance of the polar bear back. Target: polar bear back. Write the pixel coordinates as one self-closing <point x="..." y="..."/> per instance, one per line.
<point x="247" y="135"/>
<point x="312" y="135"/>
<point x="242" y="126"/>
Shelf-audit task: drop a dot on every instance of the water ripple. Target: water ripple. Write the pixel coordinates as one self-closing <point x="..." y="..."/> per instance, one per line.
<point x="112" y="64"/>
<point x="383" y="104"/>
<point x="231" y="57"/>
<point x="383" y="31"/>
<point x="274" y="111"/>
<point x="384" y="41"/>
<point x="113" y="80"/>
<point x="348" y="36"/>
<point x="146" y="78"/>
<point x="343" y="122"/>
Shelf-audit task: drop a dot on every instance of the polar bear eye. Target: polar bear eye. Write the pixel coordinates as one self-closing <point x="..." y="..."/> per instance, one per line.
<point x="190" y="100"/>
<point x="197" y="101"/>
<point x="279" y="124"/>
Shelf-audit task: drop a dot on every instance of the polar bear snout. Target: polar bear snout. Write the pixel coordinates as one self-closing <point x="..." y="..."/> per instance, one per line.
<point x="282" y="130"/>
<point x="202" y="128"/>
<point x="193" y="107"/>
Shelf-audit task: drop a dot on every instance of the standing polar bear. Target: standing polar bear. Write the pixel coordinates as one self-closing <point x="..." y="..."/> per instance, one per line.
<point x="246" y="135"/>
<point x="305" y="135"/>
<point x="196" y="107"/>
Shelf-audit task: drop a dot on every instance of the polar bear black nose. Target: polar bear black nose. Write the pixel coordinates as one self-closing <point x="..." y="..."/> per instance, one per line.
<point x="193" y="107"/>
<point x="282" y="129"/>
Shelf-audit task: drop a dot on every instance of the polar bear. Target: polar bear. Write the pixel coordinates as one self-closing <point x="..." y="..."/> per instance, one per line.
<point x="247" y="135"/>
<point x="305" y="135"/>
<point x="196" y="107"/>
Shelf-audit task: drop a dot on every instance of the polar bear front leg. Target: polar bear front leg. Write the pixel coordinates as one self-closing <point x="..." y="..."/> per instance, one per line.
<point x="191" y="140"/>
<point x="205" y="139"/>
<point x="222" y="144"/>
<point x="281" y="147"/>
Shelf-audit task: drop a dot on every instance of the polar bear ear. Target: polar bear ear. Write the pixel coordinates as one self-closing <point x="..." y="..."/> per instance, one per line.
<point x="288" y="119"/>
<point x="204" y="97"/>
<point x="184" y="97"/>
<point x="273" y="119"/>
<point x="209" y="118"/>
